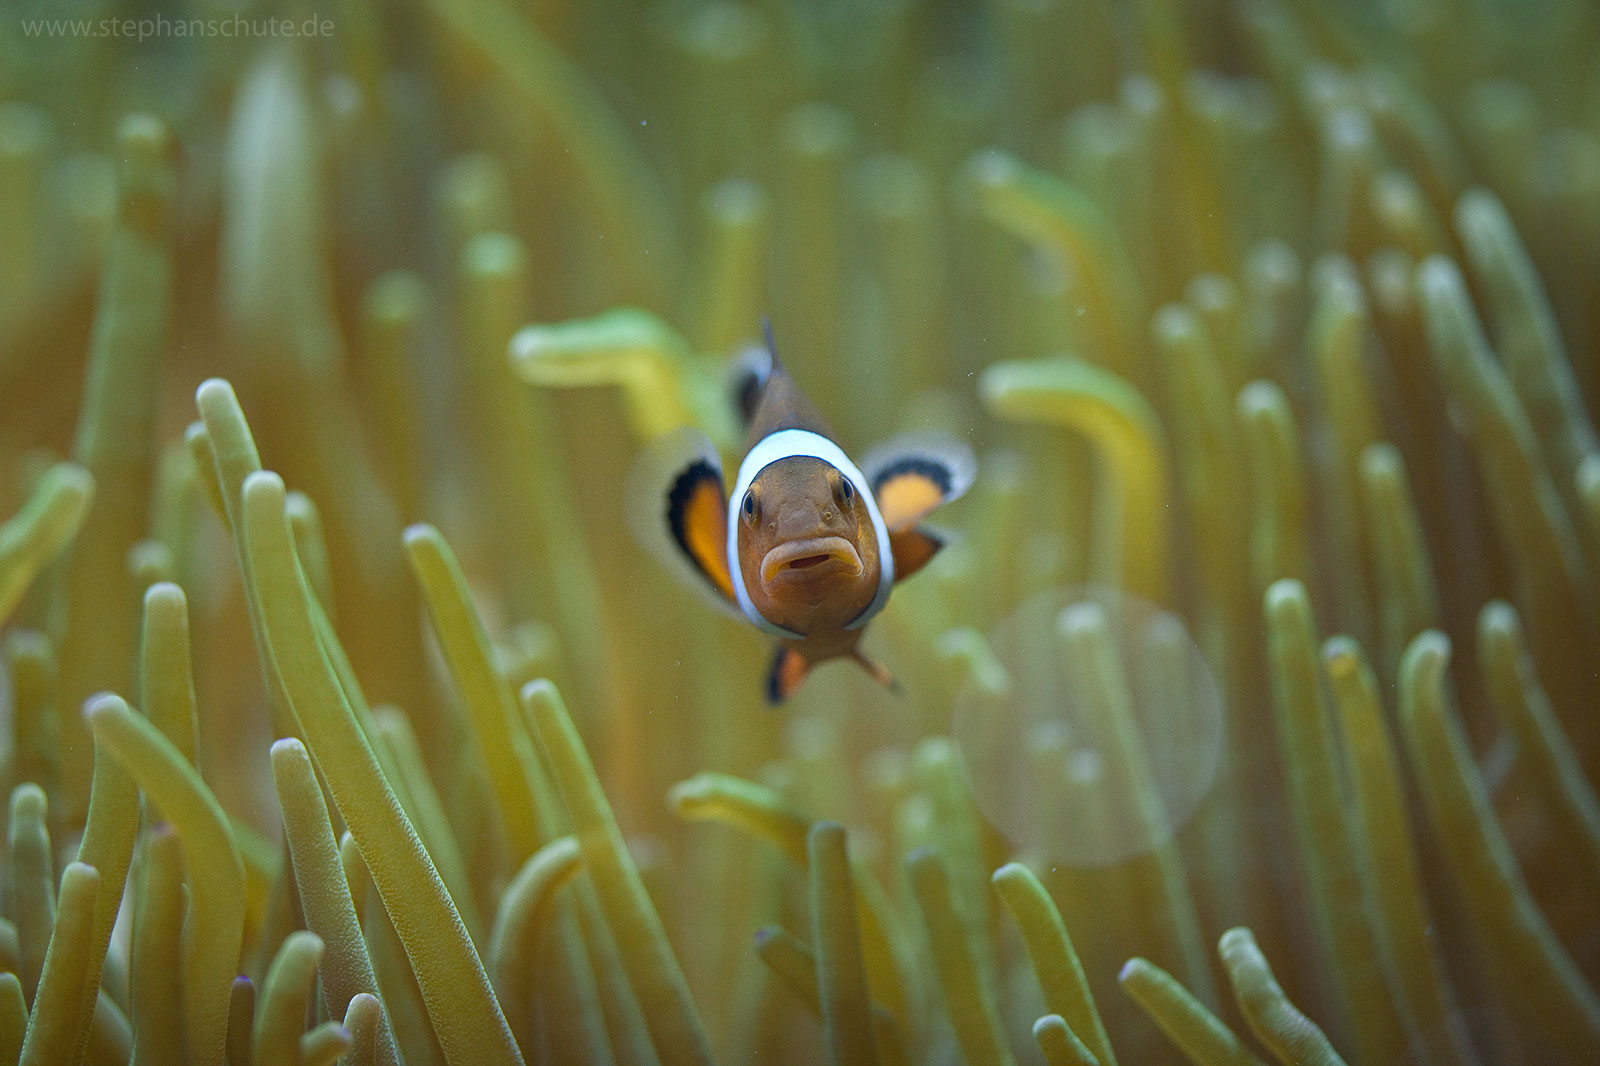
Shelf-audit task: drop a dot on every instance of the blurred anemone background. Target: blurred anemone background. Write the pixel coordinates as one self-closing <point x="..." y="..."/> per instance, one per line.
<point x="1251" y="717"/>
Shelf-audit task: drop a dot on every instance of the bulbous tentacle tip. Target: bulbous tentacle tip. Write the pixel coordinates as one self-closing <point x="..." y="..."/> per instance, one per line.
<point x="213" y="392"/>
<point x="146" y="136"/>
<point x="1341" y="654"/>
<point x="1429" y="649"/>
<point x="1258" y="399"/>
<point x="1480" y="214"/>
<point x="989" y="167"/>
<point x="539" y="691"/>
<point x="1235" y="939"/>
<point x="264" y="483"/>
<point x="28" y="802"/>
<point x="1498" y="620"/>
<point x="1589" y="474"/>
<point x="71" y="478"/>
<point x="1011" y="871"/>
<point x="419" y="533"/>
<point x="1438" y="278"/>
<point x="1284" y="596"/>
<point x="165" y="595"/>
<point x="493" y="255"/>
<point x="685" y="793"/>
<point x="1176" y="323"/>
<point x="287" y="747"/>
<point x="825" y="829"/>
<point x="103" y="705"/>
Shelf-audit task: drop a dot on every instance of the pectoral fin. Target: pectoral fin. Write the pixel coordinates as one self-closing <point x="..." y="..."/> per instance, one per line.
<point x="698" y="517"/>
<point x="912" y="475"/>
<point x="678" y="509"/>
<point x="912" y="549"/>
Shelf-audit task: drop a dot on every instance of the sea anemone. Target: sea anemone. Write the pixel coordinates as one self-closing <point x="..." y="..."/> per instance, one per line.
<point x="1248" y="717"/>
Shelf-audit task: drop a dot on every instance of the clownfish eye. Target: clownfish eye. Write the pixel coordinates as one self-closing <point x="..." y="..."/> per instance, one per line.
<point x="748" y="507"/>
<point x="844" y="491"/>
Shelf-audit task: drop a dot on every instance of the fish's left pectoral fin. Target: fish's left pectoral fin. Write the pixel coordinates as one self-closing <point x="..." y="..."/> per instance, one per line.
<point x="913" y="549"/>
<point x="679" y="510"/>
<point x="789" y="668"/>
<point x="913" y="474"/>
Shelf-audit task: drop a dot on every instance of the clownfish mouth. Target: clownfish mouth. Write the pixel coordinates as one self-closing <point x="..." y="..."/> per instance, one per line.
<point x="809" y="559"/>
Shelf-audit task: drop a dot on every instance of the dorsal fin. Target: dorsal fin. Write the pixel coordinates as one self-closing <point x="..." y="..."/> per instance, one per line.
<point x="747" y="380"/>
<point x="767" y="397"/>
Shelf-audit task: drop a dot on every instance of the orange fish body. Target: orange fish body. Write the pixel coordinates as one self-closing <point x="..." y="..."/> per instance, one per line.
<point x="808" y="545"/>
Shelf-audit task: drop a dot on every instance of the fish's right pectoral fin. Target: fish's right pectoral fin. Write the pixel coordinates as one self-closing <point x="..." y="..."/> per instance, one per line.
<point x="679" y="511"/>
<point x="789" y="668"/>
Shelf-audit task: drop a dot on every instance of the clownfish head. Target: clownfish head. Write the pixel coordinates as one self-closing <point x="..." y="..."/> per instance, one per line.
<point x="807" y="545"/>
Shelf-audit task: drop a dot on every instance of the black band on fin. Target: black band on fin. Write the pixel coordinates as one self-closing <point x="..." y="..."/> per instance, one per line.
<point x="701" y="484"/>
<point x="936" y="472"/>
<point x="748" y="380"/>
<point x="789" y="668"/>
<point x="914" y="473"/>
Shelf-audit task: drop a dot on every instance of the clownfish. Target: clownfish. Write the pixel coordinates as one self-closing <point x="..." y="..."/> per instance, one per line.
<point x="808" y="545"/>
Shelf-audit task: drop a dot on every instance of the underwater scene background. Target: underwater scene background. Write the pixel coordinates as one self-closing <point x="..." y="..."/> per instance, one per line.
<point x="1250" y="717"/>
